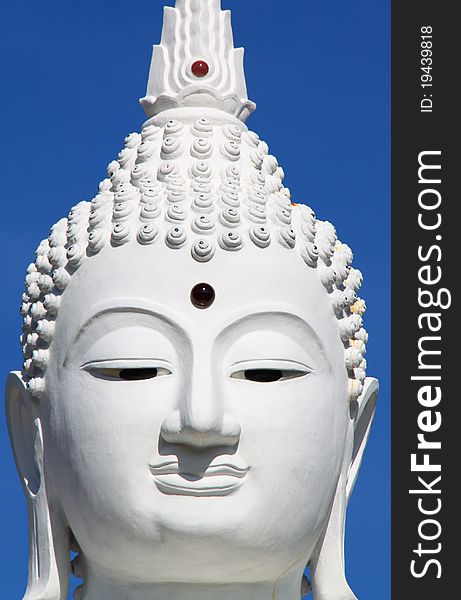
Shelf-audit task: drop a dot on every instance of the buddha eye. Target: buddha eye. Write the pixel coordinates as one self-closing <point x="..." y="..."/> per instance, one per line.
<point x="130" y="374"/>
<point x="137" y="374"/>
<point x="263" y="375"/>
<point x="126" y="373"/>
<point x="270" y="375"/>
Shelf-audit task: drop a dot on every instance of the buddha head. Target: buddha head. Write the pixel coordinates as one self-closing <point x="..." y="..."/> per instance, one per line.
<point x="193" y="405"/>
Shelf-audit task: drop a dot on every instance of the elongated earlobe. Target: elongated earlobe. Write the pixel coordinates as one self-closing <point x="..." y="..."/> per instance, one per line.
<point x="48" y="558"/>
<point x="328" y="564"/>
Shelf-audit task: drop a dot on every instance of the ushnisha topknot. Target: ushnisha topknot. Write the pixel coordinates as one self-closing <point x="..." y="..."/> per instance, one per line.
<point x="197" y="180"/>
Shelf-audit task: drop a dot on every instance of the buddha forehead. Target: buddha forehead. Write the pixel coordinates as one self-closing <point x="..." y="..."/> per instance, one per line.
<point x="246" y="285"/>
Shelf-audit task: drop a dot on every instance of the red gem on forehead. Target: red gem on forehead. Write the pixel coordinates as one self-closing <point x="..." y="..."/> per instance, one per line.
<point x="200" y="68"/>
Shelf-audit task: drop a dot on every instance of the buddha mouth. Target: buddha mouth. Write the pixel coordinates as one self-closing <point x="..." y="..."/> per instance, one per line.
<point x="220" y="479"/>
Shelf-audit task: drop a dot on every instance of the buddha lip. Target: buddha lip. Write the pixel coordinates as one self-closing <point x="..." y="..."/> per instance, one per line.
<point x="217" y="479"/>
<point x="222" y="469"/>
<point x="174" y="484"/>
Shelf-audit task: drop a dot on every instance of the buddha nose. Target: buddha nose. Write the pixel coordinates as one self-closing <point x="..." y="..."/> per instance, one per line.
<point x="200" y="420"/>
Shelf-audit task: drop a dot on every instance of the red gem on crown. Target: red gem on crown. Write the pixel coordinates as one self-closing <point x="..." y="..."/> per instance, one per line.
<point x="200" y="68"/>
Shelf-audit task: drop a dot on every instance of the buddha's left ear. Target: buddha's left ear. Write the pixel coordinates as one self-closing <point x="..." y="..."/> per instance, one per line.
<point x="327" y="564"/>
<point x="48" y="553"/>
<point x="362" y="412"/>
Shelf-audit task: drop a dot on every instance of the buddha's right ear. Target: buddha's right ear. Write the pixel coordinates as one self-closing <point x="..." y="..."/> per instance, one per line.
<point x="47" y="579"/>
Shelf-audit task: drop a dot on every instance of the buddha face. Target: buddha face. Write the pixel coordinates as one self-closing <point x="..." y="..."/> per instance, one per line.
<point x="208" y="436"/>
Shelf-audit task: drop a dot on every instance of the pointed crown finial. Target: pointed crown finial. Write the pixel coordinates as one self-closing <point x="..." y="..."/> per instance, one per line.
<point x="196" y="64"/>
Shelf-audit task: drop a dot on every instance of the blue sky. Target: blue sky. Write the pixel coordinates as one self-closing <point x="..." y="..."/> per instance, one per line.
<point x="71" y="76"/>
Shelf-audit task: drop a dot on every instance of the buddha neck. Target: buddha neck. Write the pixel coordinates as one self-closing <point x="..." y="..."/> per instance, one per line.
<point x="285" y="587"/>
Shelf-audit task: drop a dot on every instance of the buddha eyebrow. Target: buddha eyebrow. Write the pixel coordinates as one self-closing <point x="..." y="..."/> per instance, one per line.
<point x="271" y="324"/>
<point x="124" y="307"/>
<point x="134" y="307"/>
<point x="276" y="316"/>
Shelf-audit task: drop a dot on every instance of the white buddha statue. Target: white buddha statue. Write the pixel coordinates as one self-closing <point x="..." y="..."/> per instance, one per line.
<point x="193" y="406"/>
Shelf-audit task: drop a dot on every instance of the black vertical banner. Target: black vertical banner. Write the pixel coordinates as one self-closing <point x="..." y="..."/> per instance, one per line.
<point x="426" y="434"/>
